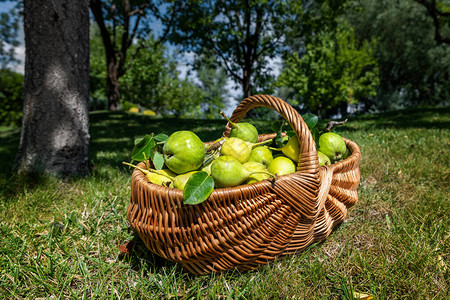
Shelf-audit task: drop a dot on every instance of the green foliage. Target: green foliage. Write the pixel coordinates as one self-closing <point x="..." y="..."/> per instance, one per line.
<point x="413" y="68"/>
<point x="9" y="27"/>
<point x="335" y="68"/>
<point x="11" y="97"/>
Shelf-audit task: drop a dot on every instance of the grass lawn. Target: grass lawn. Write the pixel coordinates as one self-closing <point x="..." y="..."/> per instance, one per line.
<point x="61" y="238"/>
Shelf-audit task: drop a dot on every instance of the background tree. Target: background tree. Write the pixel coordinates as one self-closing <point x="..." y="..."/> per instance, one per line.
<point x="244" y="35"/>
<point x="333" y="69"/>
<point x="413" y="68"/>
<point x="440" y="13"/>
<point x="54" y="136"/>
<point x="153" y="82"/>
<point x="114" y="19"/>
<point x="124" y="24"/>
<point x="9" y="26"/>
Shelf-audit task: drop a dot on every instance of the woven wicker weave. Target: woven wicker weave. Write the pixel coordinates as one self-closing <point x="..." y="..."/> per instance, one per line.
<point x="249" y="225"/>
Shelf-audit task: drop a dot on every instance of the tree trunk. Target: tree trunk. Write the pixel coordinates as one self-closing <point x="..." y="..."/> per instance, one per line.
<point x="55" y="137"/>
<point x="112" y="86"/>
<point x="246" y="84"/>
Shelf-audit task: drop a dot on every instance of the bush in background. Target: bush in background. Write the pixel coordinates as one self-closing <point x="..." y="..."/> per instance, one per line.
<point x="11" y="97"/>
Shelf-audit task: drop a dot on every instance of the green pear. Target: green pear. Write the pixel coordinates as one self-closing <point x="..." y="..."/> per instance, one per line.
<point x="244" y="131"/>
<point x="282" y="165"/>
<point x="180" y="181"/>
<point x="291" y="149"/>
<point x="261" y="154"/>
<point x="238" y="148"/>
<point x="332" y="145"/>
<point x="227" y="171"/>
<point x="256" y="167"/>
<point x="323" y="159"/>
<point x="183" y="152"/>
<point x="159" y="179"/>
<point x="167" y="173"/>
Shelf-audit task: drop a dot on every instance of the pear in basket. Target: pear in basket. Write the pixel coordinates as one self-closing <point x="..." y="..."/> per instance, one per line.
<point x="282" y="165"/>
<point x="228" y="171"/>
<point x="183" y="152"/>
<point x="239" y="148"/>
<point x="244" y="131"/>
<point x="332" y="145"/>
<point x="291" y="149"/>
<point x="262" y="155"/>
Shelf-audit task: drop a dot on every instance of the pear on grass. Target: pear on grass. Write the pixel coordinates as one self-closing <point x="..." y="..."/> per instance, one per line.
<point x="239" y="148"/>
<point x="227" y="171"/>
<point x="291" y="149"/>
<point x="244" y="131"/>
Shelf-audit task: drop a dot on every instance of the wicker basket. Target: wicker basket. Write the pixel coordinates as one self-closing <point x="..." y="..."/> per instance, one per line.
<point x="246" y="226"/>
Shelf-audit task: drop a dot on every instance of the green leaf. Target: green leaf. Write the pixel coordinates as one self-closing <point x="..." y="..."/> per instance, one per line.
<point x="310" y="120"/>
<point x="198" y="188"/>
<point x="136" y="141"/>
<point x="279" y="140"/>
<point x="277" y="125"/>
<point x="315" y="132"/>
<point x="161" y="137"/>
<point x="143" y="148"/>
<point x="157" y="159"/>
<point x="290" y="133"/>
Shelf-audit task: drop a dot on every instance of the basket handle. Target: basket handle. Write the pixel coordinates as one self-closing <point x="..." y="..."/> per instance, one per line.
<point x="308" y="161"/>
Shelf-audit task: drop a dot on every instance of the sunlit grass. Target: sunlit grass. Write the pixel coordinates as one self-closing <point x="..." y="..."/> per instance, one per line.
<point x="61" y="238"/>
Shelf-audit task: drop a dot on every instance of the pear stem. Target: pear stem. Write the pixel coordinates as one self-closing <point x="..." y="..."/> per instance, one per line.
<point x="213" y="143"/>
<point x="262" y="143"/>
<point x="275" y="149"/>
<point x="146" y="160"/>
<point x="136" y="167"/>
<point x="229" y="121"/>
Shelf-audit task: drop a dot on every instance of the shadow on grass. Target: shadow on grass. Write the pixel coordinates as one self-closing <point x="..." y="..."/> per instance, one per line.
<point x="142" y="260"/>
<point x="426" y="118"/>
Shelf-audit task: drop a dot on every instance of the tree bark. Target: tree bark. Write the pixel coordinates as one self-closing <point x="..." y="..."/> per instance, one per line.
<point x="246" y="84"/>
<point x="112" y="86"/>
<point x="55" y="136"/>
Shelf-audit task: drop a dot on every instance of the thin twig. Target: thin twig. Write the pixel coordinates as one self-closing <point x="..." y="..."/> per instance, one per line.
<point x="331" y="124"/>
